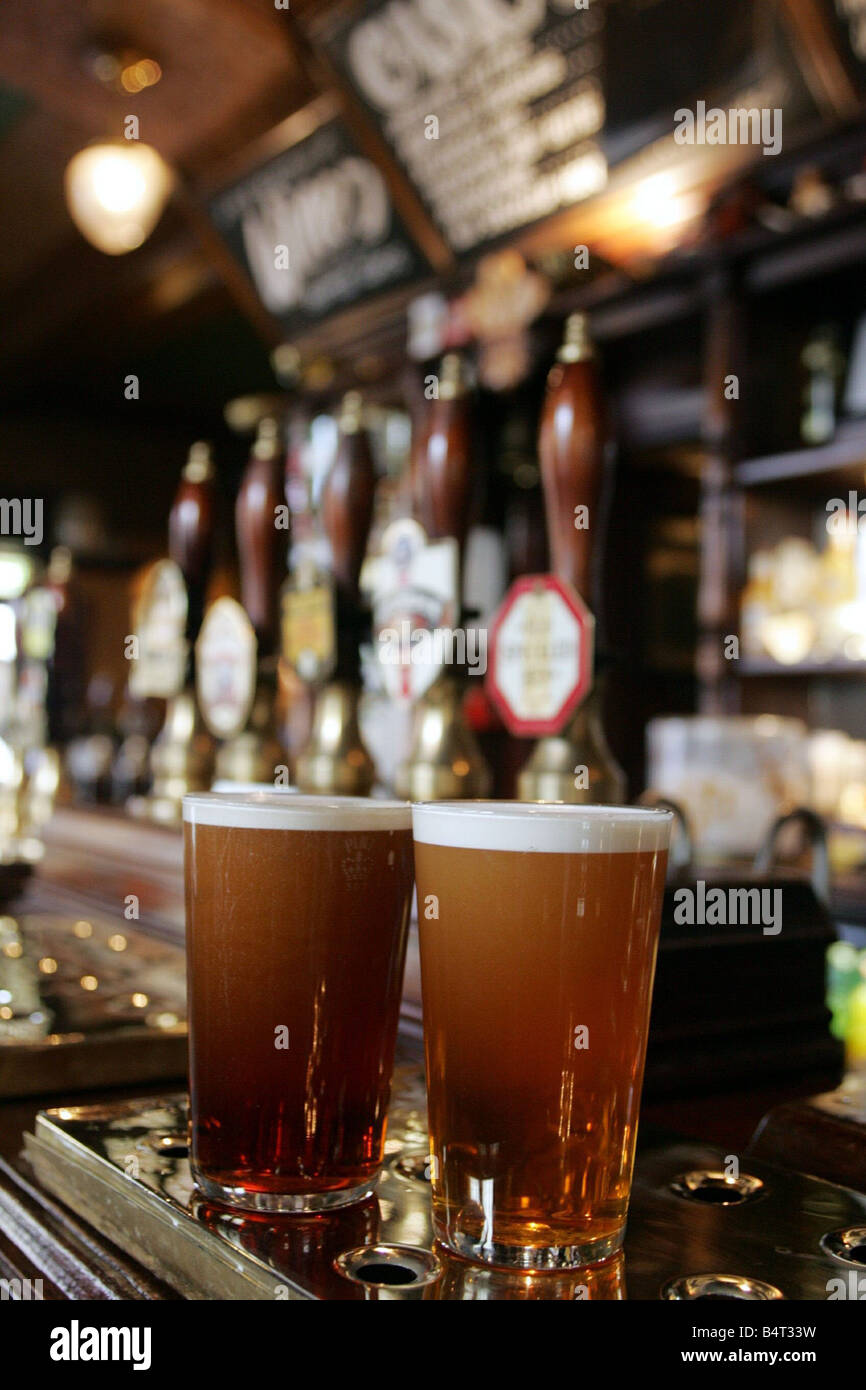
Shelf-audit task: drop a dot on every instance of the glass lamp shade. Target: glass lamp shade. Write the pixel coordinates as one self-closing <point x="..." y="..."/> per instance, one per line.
<point x="115" y="192"/>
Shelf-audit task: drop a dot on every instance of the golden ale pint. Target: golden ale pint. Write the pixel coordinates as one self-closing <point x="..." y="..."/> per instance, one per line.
<point x="538" y="927"/>
<point x="297" y="911"/>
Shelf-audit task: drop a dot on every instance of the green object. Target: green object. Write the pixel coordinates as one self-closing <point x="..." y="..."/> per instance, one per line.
<point x="855" y="1034"/>
<point x="845" y="975"/>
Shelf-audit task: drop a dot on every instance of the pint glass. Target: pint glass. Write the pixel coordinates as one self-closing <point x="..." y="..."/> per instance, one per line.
<point x="297" y="910"/>
<point x="538" y="931"/>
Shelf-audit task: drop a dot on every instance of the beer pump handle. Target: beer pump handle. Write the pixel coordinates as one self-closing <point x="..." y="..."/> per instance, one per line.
<point x="347" y="500"/>
<point x="444" y="459"/>
<point x="571" y="446"/>
<point x="261" y="541"/>
<point x="191" y="529"/>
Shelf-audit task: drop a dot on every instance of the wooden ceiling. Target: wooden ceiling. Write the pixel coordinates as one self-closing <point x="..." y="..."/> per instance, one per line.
<point x="229" y="74"/>
<point x="232" y="70"/>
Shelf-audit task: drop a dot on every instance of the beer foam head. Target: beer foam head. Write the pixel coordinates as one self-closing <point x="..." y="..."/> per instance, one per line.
<point x="538" y="828"/>
<point x="274" y="810"/>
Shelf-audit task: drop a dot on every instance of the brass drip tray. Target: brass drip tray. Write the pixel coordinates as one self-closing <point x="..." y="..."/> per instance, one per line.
<point x="124" y="1167"/>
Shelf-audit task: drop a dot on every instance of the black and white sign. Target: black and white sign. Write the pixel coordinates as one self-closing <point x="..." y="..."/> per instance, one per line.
<point x="493" y="107"/>
<point x="502" y="112"/>
<point x="316" y="228"/>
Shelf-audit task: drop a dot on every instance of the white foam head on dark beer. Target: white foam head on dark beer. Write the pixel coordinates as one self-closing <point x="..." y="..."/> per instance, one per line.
<point x="525" y="827"/>
<point x="273" y="810"/>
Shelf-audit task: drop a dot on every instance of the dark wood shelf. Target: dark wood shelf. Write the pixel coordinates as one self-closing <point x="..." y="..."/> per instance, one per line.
<point x="832" y="243"/>
<point x="802" y="669"/>
<point x="847" y="450"/>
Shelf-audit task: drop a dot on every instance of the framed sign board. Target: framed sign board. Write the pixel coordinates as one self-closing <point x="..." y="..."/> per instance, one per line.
<point x="316" y="229"/>
<point x="503" y="112"/>
<point x="493" y="108"/>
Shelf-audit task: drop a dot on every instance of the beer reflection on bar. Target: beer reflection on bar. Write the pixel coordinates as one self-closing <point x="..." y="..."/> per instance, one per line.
<point x="432" y="645"/>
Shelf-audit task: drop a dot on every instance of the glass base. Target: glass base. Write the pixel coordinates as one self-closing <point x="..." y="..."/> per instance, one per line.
<point x="530" y="1257"/>
<point x="248" y="1199"/>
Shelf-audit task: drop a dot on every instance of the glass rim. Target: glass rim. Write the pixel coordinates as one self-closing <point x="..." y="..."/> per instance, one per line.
<point x="274" y="810"/>
<point x="506" y="809"/>
<point x="553" y="827"/>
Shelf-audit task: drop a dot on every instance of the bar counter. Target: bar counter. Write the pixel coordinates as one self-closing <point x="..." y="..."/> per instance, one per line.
<point x="94" y="861"/>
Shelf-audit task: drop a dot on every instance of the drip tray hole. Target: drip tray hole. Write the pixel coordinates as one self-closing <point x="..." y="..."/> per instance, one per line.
<point x="386" y="1274"/>
<point x="720" y="1288"/>
<point x="716" y="1188"/>
<point x="848" y="1244"/>
<point x="389" y="1266"/>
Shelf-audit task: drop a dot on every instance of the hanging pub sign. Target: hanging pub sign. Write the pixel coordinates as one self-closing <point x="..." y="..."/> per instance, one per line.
<point x="503" y="112"/>
<point x="493" y="108"/>
<point x="316" y="229"/>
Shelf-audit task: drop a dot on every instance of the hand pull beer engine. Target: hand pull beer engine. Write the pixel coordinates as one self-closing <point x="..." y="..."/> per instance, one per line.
<point x="335" y="759"/>
<point x="237" y="650"/>
<point x="444" y="760"/>
<point x="542" y="668"/>
<point x="168" y="620"/>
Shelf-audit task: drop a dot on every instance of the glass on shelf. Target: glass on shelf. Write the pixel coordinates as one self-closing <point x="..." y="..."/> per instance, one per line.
<point x="732" y="775"/>
<point x="803" y="605"/>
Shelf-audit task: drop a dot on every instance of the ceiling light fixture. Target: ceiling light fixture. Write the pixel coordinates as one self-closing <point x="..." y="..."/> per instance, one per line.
<point x="116" y="191"/>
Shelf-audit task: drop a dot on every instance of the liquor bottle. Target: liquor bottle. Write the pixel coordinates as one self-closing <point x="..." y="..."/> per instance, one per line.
<point x="824" y="366"/>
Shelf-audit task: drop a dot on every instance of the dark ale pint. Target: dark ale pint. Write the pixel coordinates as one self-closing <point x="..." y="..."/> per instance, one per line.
<point x="297" y="912"/>
<point x="538" y="931"/>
